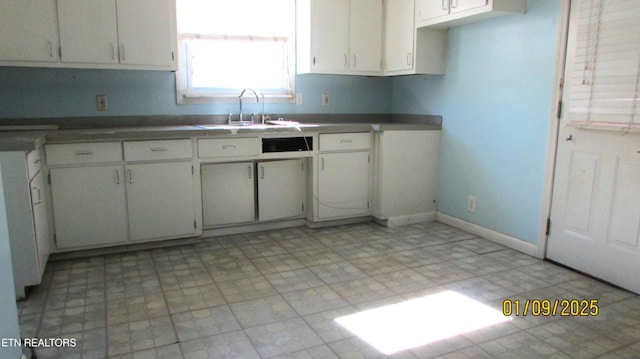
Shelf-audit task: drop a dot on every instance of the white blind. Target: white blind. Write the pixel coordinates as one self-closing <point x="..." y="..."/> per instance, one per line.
<point x="605" y="78"/>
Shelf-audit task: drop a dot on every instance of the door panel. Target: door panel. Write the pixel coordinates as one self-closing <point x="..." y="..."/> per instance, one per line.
<point x="343" y="184"/>
<point x="281" y="189"/>
<point x="160" y="200"/>
<point x="228" y="193"/>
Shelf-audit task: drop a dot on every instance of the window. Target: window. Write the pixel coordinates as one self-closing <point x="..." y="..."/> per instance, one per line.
<point x="229" y="45"/>
<point x="605" y="74"/>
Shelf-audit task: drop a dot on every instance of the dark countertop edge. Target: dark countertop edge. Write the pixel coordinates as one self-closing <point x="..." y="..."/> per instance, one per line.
<point x="147" y="130"/>
<point x="65" y="123"/>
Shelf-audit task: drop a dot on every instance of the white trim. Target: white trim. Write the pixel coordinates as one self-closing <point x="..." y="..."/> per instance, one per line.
<point x="393" y="222"/>
<point x="554" y="124"/>
<point x="500" y="238"/>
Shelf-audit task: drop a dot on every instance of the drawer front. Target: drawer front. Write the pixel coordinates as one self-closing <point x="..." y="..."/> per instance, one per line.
<point x="34" y="162"/>
<point x="157" y="150"/>
<point x="345" y="141"/>
<point x="228" y="147"/>
<point x="78" y="153"/>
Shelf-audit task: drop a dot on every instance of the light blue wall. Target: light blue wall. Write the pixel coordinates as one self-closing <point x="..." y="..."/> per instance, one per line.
<point x="9" y="328"/>
<point x="495" y="99"/>
<point x="44" y="93"/>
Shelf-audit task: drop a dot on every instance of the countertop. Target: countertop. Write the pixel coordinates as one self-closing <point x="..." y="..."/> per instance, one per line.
<point x="25" y="140"/>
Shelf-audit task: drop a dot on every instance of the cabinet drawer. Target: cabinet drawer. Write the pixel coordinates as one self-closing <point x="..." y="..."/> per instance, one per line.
<point x="157" y="150"/>
<point x="345" y="141"/>
<point x="34" y="162"/>
<point x="78" y="153"/>
<point x="228" y="147"/>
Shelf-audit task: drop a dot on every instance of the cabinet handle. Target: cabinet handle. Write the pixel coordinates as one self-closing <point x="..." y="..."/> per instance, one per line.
<point x="322" y="164"/>
<point x="346" y="140"/>
<point x="229" y="147"/>
<point x="37" y="189"/>
<point x="113" y="52"/>
<point x="122" y="58"/>
<point x="130" y="176"/>
<point x="346" y="60"/>
<point x="409" y="58"/>
<point x="37" y="162"/>
<point x="454" y="2"/>
<point x="84" y="153"/>
<point x="250" y="172"/>
<point x="158" y="149"/>
<point x="117" y="174"/>
<point x="50" y="43"/>
<point x="354" y="60"/>
<point x="262" y="170"/>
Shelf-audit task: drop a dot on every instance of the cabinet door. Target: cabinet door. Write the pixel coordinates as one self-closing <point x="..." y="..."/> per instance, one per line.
<point x="160" y="200"/>
<point x="147" y="32"/>
<point x="40" y="221"/>
<point x="88" y="32"/>
<point x="431" y="9"/>
<point x="343" y="184"/>
<point x="399" y="34"/>
<point x="330" y="30"/>
<point x="281" y="189"/>
<point x="366" y="35"/>
<point x="89" y="206"/>
<point x="28" y="30"/>
<point x="228" y="193"/>
<point x="463" y="5"/>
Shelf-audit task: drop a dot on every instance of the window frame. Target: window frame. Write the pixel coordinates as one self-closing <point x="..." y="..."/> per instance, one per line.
<point x="185" y="94"/>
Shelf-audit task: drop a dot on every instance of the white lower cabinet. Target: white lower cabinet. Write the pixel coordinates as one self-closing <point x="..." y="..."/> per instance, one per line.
<point x="406" y="176"/>
<point x="41" y="221"/>
<point x="89" y="206"/>
<point x="228" y="193"/>
<point x="99" y="200"/>
<point x="282" y="188"/>
<point x="343" y="185"/>
<point x="160" y="200"/>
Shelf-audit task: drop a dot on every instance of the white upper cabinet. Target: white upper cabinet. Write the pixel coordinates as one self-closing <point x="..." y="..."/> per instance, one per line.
<point x="28" y="31"/>
<point x="447" y="13"/>
<point x="88" y="31"/>
<point x="106" y="34"/>
<point x="339" y="37"/>
<point x="147" y="33"/>
<point x="407" y="50"/>
<point x="365" y="36"/>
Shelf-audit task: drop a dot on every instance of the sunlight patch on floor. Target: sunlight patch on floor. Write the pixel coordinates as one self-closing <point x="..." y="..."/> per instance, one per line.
<point x="420" y="321"/>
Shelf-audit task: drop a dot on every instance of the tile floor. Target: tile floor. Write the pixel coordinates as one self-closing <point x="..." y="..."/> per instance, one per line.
<point x="275" y="294"/>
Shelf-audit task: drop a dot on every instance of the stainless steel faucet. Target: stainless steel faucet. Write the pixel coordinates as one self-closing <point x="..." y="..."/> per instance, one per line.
<point x="242" y="94"/>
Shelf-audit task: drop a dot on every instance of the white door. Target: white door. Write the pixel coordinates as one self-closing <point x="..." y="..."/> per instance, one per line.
<point x="40" y="221"/>
<point x="88" y="32"/>
<point x="281" y="189"/>
<point x="595" y="215"/>
<point x="431" y="9"/>
<point x="228" y="193"/>
<point x="160" y="200"/>
<point x="366" y="35"/>
<point x="464" y="5"/>
<point x="28" y="30"/>
<point x="147" y="32"/>
<point x="399" y="33"/>
<point x="343" y="184"/>
<point x="89" y="205"/>
<point x="330" y="31"/>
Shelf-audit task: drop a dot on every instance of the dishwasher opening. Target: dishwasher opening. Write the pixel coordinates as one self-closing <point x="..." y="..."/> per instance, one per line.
<point x="287" y="144"/>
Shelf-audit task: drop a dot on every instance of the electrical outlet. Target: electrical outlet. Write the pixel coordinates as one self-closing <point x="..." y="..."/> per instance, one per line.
<point x="326" y="99"/>
<point x="101" y="102"/>
<point x="298" y="98"/>
<point x="471" y="204"/>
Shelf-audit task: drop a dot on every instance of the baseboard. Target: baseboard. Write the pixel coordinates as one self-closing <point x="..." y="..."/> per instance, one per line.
<point x="254" y="227"/>
<point x="399" y="221"/>
<point x="339" y="222"/>
<point x="500" y="238"/>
